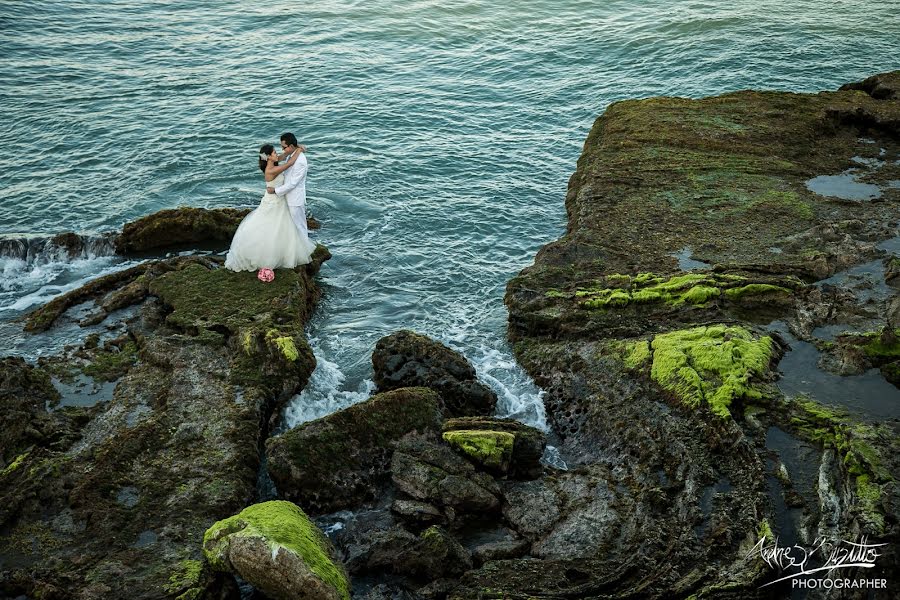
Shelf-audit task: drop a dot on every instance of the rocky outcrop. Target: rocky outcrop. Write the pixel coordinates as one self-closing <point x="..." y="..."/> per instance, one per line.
<point x="112" y="500"/>
<point x="179" y="226"/>
<point x="884" y="86"/>
<point x="341" y="460"/>
<point x="277" y="549"/>
<point x="183" y="226"/>
<point x="502" y="446"/>
<point x="432" y="554"/>
<point x="430" y="471"/>
<point x="407" y="359"/>
<point x="661" y="382"/>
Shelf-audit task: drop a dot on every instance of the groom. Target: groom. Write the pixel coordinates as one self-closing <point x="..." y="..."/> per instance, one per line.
<point x="294" y="185"/>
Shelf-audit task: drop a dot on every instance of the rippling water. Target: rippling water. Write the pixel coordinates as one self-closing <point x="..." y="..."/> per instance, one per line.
<point x="441" y="134"/>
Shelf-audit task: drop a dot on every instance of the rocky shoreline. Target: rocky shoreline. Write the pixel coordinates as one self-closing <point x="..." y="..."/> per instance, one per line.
<point x="693" y="262"/>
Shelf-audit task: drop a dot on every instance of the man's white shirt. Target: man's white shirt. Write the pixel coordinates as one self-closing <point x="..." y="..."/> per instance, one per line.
<point x="294" y="185"/>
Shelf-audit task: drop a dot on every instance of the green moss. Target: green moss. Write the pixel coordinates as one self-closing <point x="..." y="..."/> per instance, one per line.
<point x="754" y="289"/>
<point x="832" y="428"/>
<point x="713" y="364"/>
<point x="609" y="297"/>
<point x="493" y="449"/>
<point x="109" y="365"/>
<point x="700" y="294"/>
<point x="636" y="353"/>
<point x="643" y="278"/>
<point x="14" y="464"/>
<point x="206" y="301"/>
<point x="680" y="282"/>
<point x="764" y="530"/>
<point x="788" y="204"/>
<point x="618" y="279"/>
<point x="869" y="497"/>
<point x="647" y="296"/>
<point x="878" y="348"/>
<point x="187" y="576"/>
<point x="691" y="288"/>
<point x="287" y="348"/>
<point x="283" y="525"/>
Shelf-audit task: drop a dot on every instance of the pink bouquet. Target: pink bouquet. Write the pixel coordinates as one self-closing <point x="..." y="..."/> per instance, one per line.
<point x="265" y="275"/>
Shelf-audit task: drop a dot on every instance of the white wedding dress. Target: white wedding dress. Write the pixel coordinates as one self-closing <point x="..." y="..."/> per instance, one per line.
<point x="267" y="237"/>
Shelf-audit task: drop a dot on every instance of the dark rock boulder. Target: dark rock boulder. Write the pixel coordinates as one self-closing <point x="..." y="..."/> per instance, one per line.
<point x="342" y="459"/>
<point x="405" y="359"/>
<point x="432" y="554"/>
<point x="884" y="86"/>
<point x="502" y="446"/>
<point x="416" y="512"/>
<point x="176" y="227"/>
<point x="428" y="470"/>
<point x="179" y="226"/>
<point x="24" y="421"/>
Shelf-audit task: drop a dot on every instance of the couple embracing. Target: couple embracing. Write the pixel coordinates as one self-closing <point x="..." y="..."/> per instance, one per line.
<point x="275" y="235"/>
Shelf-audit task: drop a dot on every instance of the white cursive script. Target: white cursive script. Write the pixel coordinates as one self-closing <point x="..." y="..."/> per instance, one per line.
<point x="844" y="554"/>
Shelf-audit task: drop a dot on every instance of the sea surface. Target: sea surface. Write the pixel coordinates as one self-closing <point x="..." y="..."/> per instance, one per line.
<point x="441" y="137"/>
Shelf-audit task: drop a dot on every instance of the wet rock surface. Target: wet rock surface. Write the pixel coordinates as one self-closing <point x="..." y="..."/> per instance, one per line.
<point x="341" y="460"/>
<point x="408" y="359"/>
<point x="662" y="384"/>
<point x="112" y="500"/>
<point x="182" y="226"/>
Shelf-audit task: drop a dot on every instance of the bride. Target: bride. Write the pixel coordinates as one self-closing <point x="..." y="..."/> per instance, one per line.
<point x="267" y="237"/>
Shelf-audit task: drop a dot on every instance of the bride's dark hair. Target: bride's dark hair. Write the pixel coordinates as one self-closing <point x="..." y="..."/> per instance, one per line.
<point x="267" y="150"/>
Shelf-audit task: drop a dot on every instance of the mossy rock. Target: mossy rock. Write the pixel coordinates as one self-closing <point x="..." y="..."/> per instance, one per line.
<point x="276" y="548"/>
<point x="715" y="364"/>
<point x="216" y="301"/>
<point x="409" y="359"/>
<point x="524" y="456"/>
<point x="178" y="227"/>
<point x="490" y="449"/>
<point x="342" y="459"/>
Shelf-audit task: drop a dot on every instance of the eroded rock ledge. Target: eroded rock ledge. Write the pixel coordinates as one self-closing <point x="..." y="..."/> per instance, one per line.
<point x="653" y="324"/>
<point x="110" y="498"/>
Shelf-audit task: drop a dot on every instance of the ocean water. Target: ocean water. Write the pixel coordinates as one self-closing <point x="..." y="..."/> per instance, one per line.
<point x="441" y="136"/>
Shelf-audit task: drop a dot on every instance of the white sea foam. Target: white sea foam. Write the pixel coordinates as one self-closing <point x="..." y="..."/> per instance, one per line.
<point x="517" y="395"/>
<point x="26" y="286"/>
<point x="325" y="393"/>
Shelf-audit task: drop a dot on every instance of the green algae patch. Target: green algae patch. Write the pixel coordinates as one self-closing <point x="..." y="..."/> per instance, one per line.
<point x="755" y="289"/>
<point x="713" y="364"/>
<point x="282" y="525"/>
<point x="286" y="346"/>
<point x="859" y="448"/>
<point x="186" y="579"/>
<point x="696" y="289"/>
<point x="868" y="496"/>
<point x="607" y="297"/>
<point x="493" y="449"/>
<point x="636" y="353"/>
<point x="832" y="429"/>
<point x="880" y="348"/>
<point x="700" y="294"/>
<point x="764" y="530"/>
<point x="14" y="464"/>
